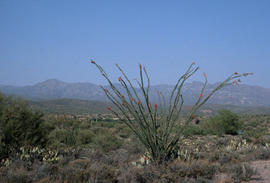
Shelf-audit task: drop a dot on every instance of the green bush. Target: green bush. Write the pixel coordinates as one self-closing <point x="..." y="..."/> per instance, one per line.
<point x="85" y="137"/>
<point x="122" y="130"/>
<point x="86" y="125"/>
<point x="107" y="142"/>
<point x="108" y="124"/>
<point x="100" y="130"/>
<point x="125" y="132"/>
<point x="62" y="137"/>
<point x="254" y="129"/>
<point x="190" y="130"/>
<point x="225" y="122"/>
<point x="20" y="125"/>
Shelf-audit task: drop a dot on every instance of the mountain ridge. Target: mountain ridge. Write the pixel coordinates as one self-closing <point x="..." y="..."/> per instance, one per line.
<point x="243" y="95"/>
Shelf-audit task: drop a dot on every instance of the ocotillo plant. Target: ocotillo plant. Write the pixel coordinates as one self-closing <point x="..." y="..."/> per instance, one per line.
<point x="156" y="125"/>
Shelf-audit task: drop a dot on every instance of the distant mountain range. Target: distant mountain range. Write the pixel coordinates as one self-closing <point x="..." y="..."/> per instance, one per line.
<point x="243" y="95"/>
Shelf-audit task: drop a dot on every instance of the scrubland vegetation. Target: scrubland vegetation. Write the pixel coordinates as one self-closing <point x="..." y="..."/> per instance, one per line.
<point x="37" y="148"/>
<point x="149" y="142"/>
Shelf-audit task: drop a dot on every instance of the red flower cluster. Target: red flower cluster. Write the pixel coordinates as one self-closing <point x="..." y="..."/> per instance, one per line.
<point x="155" y="107"/>
<point x="138" y="102"/>
<point x="92" y="62"/>
<point x="120" y="79"/>
<point x="204" y="75"/>
<point x="108" y="108"/>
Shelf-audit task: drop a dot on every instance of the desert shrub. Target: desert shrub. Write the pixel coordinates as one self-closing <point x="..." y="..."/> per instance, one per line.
<point x="262" y="153"/>
<point x="86" y="125"/>
<point x="102" y="173"/>
<point x="108" y="124"/>
<point x="100" y="130"/>
<point x="199" y="168"/>
<point x="96" y="168"/>
<point x="242" y="172"/>
<point x="132" y="146"/>
<point x="190" y="130"/>
<point x="107" y="142"/>
<point x="225" y="122"/>
<point x="20" y="175"/>
<point x="64" y="137"/>
<point x="254" y="129"/>
<point x="250" y="132"/>
<point x="176" y="171"/>
<point x="96" y="136"/>
<point x="23" y="171"/>
<point x="85" y="137"/>
<point x="67" y="123"/>
<point x="156" y="125"/>
<point x="20" y="125"/>
<point x="123" y="131"/>
<point x="224" y="158"/>
<point x="74" y="171"/>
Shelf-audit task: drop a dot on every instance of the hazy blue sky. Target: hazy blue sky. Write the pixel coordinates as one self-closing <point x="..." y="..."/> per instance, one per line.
<point x="43" y="39"/>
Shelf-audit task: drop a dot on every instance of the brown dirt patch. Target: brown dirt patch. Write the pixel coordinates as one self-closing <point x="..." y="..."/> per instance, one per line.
<point x="263" y="170"/>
